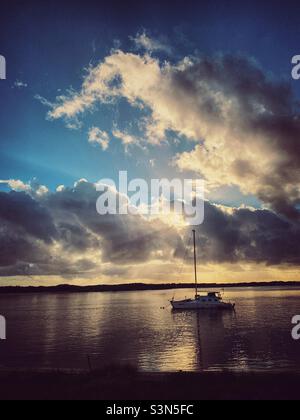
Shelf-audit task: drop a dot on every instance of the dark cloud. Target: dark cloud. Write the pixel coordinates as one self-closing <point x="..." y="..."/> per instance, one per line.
<point x="62" y="234"/>
<point x="121" y="239"/>
<point x="258" y="236"/>
<point x="25" y="213"/>
<point x="257" y="121"/>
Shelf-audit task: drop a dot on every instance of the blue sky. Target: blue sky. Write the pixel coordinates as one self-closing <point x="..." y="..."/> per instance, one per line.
<point x="48" y="46"/>
<point x="161" y="89"/>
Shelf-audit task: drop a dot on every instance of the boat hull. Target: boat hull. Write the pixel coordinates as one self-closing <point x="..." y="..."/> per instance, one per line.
<point x="197" y="305"/>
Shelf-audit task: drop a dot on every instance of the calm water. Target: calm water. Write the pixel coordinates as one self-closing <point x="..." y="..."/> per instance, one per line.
<point x="139" y="328"/>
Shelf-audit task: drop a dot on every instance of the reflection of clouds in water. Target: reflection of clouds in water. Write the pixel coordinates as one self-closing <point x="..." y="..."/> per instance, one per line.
<point x="60" y="330"/>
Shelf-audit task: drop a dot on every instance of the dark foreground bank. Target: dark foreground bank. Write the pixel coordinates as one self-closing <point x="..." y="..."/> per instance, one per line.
<point x="125" y="384"/>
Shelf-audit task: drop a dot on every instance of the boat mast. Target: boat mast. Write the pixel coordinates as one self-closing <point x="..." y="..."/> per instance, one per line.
<point x="195" y="263"/>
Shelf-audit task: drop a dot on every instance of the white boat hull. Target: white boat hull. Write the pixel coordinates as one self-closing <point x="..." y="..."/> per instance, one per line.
<point x="197" y="305"/>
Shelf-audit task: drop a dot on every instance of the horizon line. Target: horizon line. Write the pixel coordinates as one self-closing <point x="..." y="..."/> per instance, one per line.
<point x="144" y="286"/>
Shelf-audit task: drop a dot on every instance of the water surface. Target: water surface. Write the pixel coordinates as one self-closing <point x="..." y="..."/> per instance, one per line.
<point x="139" y="328"/>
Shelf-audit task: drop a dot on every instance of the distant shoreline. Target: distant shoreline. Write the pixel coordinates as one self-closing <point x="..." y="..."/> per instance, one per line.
<point x="136" y="287"/>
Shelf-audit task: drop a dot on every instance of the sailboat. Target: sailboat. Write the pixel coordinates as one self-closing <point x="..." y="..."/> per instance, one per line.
<point x="208" y="301"/>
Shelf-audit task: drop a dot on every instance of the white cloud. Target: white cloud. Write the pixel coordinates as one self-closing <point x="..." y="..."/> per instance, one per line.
<point x="243" y="124"/>
<point x="97" y="136"/>
<point x="33" y="187"/>
<point x="44" y="101"/>
<point x="41" y="190"/>
<point x="149" y="44"/>
<point x="60" y="188"/>
<point x="16" y="185"/>
<point x="20" y="85"/>
<point x="126" y="138"/>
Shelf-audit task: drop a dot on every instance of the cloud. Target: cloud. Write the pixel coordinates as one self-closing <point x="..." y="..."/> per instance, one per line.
<point x="33" y="187"/>
<point x="248" y="236"/>
<point x="120" y="239"/>
<point x="61" y="234"/>
<point x="24" y="213"/>
<point x="20" y="85"/>
<point x="144" y="42"/>
<point x="126" y="138"/>
<point x="44" y="101"/>
<point x="244" y="126"/>
<point x="96" y="136"/>
<point x="16" y="185"/>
